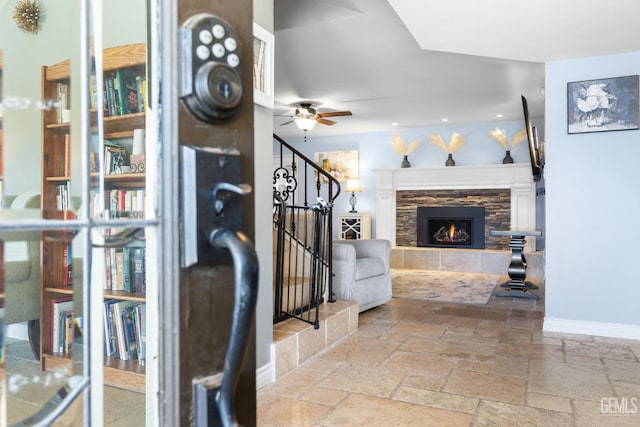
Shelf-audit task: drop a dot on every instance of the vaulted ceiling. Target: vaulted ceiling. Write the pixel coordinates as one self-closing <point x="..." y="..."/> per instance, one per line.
<point x="417" y="62"/>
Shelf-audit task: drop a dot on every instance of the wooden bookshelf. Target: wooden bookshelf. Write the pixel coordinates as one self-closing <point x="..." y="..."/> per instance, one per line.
<point x="56" y="174"/>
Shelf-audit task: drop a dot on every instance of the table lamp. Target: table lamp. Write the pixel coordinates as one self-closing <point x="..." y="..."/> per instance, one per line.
<point x="353" y="185"/>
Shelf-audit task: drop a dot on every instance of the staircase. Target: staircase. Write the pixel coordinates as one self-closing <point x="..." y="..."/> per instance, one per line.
<point x="303" y="196"/>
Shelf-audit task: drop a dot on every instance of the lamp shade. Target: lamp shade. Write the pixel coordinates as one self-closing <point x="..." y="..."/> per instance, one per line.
<point x="353" y="185"/>
<point x="305" y="123"/>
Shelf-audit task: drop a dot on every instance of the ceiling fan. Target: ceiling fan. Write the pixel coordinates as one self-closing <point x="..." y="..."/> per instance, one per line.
<point x="306" y="117"/>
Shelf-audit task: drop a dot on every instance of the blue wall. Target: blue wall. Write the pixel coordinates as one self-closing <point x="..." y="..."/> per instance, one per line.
<point x="592" y="208"/>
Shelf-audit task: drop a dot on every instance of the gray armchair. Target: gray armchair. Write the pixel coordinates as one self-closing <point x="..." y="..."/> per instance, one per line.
<point x="362" y="272"/>
<point x="22" y="269"/>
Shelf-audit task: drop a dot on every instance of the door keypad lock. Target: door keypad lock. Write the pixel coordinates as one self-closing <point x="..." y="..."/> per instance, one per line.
<point x="211" y="72"/>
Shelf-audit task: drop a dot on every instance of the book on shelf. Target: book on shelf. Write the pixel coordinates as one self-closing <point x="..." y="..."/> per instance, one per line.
<point x="128" y="90"/>
<point x="124" y="91"/>
<point x="62" y="100"/>
<point x="59" y="306"/>
<point x="138" y="282"/>
<point x="125" y="269"/>
<point x="67" y="155"/>
<point x="123" y="323"/>
<point x="111" y="339"/>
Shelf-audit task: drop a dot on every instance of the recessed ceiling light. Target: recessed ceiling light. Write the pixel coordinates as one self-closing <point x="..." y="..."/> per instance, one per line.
<point x="394" y="124"/>
<point x="444" y="120"/>
<point x="499" y="115"/>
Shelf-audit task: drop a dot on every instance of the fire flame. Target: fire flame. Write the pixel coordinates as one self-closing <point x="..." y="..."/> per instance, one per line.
<point x="452" y="231"/>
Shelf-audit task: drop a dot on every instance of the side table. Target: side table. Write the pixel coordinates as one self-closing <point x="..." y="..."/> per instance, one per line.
<point x="517" y="286"/>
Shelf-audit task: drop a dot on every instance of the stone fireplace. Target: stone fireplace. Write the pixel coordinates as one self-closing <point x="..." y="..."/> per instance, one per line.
<point x="506" y="192"/>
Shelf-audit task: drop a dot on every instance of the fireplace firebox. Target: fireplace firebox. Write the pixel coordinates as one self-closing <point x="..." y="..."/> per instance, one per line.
<point x="451" y="227"/>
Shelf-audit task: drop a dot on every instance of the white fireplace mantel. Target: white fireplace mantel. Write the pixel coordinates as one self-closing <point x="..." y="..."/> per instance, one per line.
<point x="516" y="176"/>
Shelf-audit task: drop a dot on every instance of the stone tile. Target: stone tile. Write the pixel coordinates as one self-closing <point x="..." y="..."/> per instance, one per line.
<point x="359" y="410"/>
<point x="531" y="351"/>
<point x="460" y="260"/>
<point x="627" y="389"/>
<point x="281" y="411"/>
<point x="373" y="381"/>
<point x="605" y="350"/>
<point x="422" y="259"/>
<point x="286" y="354"/>
<point x="507" y="335"/>
<point x="623" y="371"/>
<point x="448" y="348"/>
<point x="324" y="396"/>
<point x="563" y="379"/>
<point x="296" y="383"/>
<point x="492" y="414"/>
<point x="436" y="399"/>
<point x="312" y="341"/>
<point x="361" y="350"/>
<point x="520" y="323"/>
<point x="354" y="320"/>
<point x="552" y="403"/>
<point x="426" y="382"/>
<point x="419" y="329"/>
<point x="322" y="365"/>
<point x="494" y="262"/>
<point x="470" y="338"/>
<point x="500" y="388"/>
<point x="372" y="331"/>
<point x="396" y="260"/>
<point x="337" y="327"/>
<point x="473" y="365"/>
<point x="513" y="366"/>
<point x="418" y="363"/>
<point x="603" y="413"/>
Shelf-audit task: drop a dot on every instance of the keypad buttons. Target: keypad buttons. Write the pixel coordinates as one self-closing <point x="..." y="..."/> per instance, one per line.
<point x="218" y="50"/>
<point x="202" y="52"/>
<point x="230" y="44"/>
<point x="218" y="31"/>
<point x="233" y="60"/>
<point x="205" y="36"/>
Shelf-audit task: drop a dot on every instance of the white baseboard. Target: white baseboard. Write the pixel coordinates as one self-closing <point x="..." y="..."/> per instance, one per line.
<point x="266" y="374"/>
<point x="582" y="327"/>
<point x="18" y="331"/>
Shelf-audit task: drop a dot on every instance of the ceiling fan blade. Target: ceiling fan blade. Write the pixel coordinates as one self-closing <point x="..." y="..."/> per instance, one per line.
<point x="325" y="121"/>
<point x="335" y="114"/>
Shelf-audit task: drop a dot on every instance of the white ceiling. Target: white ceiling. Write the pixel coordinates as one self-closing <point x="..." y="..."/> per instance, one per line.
<point x="417" y="61"/>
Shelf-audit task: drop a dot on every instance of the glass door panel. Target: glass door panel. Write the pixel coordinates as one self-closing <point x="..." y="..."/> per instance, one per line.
<point x="78" y="213"/>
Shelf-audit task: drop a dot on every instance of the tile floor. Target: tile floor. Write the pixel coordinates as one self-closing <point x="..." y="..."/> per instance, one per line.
<point x="420" y="363"/>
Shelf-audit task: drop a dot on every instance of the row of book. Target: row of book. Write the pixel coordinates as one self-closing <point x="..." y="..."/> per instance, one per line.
<point x="125" y="269"/>
<point x="124" y="91"/>
<point x="62" y="325"/>
<point x="126" y="203"/>
<point x="62" y="100"/>
<point x="125" y="330"/>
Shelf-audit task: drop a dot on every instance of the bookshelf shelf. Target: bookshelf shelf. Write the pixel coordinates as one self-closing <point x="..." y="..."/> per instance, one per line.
<point x="124" y="95"/>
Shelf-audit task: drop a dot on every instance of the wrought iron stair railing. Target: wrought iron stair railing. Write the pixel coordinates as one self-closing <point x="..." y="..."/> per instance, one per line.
<point x="303" y="196"/>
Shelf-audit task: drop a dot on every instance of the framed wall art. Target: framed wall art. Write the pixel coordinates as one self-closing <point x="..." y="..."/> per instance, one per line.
<point x="342" y="165"/>
<point x="602" y="105"/>
<point x="263" y="52"/>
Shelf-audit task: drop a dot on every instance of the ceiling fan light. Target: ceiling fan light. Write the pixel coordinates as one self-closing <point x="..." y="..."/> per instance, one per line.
<point x="305" y="123"/>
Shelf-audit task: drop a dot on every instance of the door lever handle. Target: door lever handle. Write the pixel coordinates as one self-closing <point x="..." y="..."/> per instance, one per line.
<point x="224" y="187"/>
<point x="245" y="264"/>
